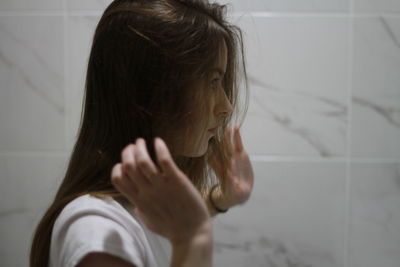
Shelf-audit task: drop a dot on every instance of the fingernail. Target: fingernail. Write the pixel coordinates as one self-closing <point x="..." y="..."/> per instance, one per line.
<point x="162" y="143"/>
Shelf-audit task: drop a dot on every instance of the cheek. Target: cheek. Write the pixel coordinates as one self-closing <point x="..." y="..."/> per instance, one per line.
<point x="210" y="107"/>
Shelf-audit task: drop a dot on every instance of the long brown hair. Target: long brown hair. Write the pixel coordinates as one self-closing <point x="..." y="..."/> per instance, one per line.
<point x="144" y="59"/>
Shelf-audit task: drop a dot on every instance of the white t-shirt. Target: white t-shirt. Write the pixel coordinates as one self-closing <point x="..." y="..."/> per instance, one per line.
<point x="90" y="224"/>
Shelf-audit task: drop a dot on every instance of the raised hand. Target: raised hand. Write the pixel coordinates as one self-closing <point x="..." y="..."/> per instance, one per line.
<point x="240" y="172"/>
<point x="166" y="200"/>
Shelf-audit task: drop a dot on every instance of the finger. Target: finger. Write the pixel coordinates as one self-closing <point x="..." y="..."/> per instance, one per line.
<point x="129" y="167"/>
<point x="144" y="162"/>
<point x="228" y="141"/>
<point x="135" y="187"/>
<point x="233" y="168"/>
<point x="120" y="177"/>
<point x="238" y="140"/>
<point x="123" y="184"/>
<point x="116" y="173"/>
<point x="125" y="176"/>
<point x="164" y="158"/>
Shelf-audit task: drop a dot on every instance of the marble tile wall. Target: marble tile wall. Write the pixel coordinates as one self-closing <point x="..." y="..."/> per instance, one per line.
<point x="322" y="129"/>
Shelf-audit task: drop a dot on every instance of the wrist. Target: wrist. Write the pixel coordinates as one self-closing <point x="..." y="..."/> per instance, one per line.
<point x="196" y="251"/>
<point x="216" y="199"/>
<point x="202" y="235"/>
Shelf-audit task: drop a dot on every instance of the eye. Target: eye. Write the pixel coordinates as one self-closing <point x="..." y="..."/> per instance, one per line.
<point x="214" y="83"/>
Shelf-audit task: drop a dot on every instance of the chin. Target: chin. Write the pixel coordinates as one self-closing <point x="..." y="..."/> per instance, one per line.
<point x="197" y="154"/>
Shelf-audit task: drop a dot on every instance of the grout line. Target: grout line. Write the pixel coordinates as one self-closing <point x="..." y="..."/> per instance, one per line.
<point x="314" y="14"/>
<point x="66" y="74"/>
<point x="51" y="12"/>
<point x="265" y="158"/>
<point x="288" y="14"/>
<point x="34" y="153"/>
<point x="350" y="160"/>
<point x="268" y="14"/>
<point x="31" y="13"/>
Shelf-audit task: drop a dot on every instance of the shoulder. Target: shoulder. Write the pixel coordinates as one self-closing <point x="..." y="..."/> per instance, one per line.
<point x="92" y="224"/>
<point x="88" y="202"/>
<point x="96" y="207"/>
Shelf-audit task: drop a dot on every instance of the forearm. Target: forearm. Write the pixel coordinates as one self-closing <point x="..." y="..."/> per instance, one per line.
<point x="195" y="252"/>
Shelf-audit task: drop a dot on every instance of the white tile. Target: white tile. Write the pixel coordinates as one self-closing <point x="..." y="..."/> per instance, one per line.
<point x="294" y="217"/>
<point x="375" y="215"/>
<point x="16" y="235"/>
<point x="28" y="184"/>
<point x="376" y="6"/>
<point x="80" y="36"/>
<point x="288" y="5"/>
<point x="30" y="5"/>
<point x="87" y="4"/>
<point x="376" y="88"/>
<point x="298" y="70"/>
<point x="31" y="90"/>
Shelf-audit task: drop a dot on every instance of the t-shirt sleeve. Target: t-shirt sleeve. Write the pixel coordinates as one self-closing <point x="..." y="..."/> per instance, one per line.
<point x="93" y="231"/>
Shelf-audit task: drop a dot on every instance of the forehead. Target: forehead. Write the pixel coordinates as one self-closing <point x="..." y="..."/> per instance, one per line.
<point x="218" y="70"/>
<point x="216" y="66"/>
<point x="219" y="65"/>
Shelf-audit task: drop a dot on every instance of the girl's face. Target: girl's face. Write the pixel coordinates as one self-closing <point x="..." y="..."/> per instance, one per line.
<point x="219" y="107"/>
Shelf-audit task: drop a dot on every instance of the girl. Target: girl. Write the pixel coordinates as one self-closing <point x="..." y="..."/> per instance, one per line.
<point x="165" y="74"/>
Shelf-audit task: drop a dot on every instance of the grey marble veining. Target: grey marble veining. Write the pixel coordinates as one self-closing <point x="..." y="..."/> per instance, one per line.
<point x="263" y="252"/>
<point x="375" y="218"/>
<point x="295" y="217"/>
<point x="9" y="39"/>
<point x="390" y="31"/>
<point x="389" y="114"/>
<point x="339" y="109"/>
<point x="299" y="85"/>
<point x="332" y="110"/>
<point x="376" y="87"/>
<point x="32" y="88"/>
<point x="27" y="184"/>
<point x="299" y="212"/>
<point x="376" y="6"/>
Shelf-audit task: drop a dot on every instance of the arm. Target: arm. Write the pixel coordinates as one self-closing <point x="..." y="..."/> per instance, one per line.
<point x="195" y="252"/>
<point x="181" y="216"/>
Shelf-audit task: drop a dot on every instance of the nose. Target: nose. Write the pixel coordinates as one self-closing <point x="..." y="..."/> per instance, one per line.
<point x="223" y="107"/>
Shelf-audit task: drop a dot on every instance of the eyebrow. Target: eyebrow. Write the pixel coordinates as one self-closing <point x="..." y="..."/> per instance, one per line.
<point x="219" y="70"/>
